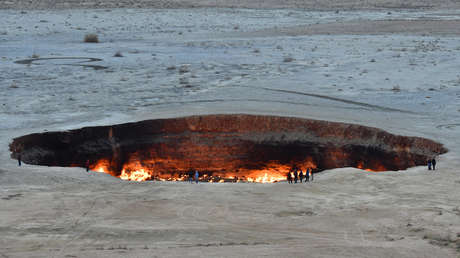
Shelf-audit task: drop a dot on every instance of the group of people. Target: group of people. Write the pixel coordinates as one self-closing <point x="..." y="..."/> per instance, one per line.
<point x="192" y="175"/>
<point x="432" y="163"/>
<point x="296" y="174"/>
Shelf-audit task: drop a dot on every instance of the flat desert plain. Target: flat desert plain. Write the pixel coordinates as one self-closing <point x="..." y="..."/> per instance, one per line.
<point x="391" y="64"/>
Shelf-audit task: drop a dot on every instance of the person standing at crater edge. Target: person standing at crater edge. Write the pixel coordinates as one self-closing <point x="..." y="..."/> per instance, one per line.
<point x="190" y="176"/>
<point x="296" y="176"/>
<point x="433" y="163"/>
<point x="300" y="175"/>
<point x="429" y="164"/>
<point x="197" y="175"/>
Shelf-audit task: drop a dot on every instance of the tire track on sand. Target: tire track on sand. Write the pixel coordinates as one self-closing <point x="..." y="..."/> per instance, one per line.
<point x="362" y="104"/>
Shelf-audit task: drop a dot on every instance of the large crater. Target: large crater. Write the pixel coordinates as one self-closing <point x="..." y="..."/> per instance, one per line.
<point x="224" y="147"/>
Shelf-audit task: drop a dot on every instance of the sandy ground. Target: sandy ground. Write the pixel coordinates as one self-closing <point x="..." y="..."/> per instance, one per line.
<point x="307" y="4"/>
<point x="347" y="66"/>
<point x="423" y="27"/>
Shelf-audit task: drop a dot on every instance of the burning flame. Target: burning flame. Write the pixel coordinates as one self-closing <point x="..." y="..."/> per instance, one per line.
<point x="136" y="170"/>
<point x="138" y="175"/>
<point x="377" y="168"/>
<point x="266" y="178"/>
<point x="101" y="166"/>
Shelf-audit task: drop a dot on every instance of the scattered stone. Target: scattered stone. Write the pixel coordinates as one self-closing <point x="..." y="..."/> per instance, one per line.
<point x="416" y="230"/>
<point x="14" y="85"/>
<point x="11" y="196"/>
<point x="288" y="59"/>
<point x="91" y="38"/>
<point x="184" y="69"/>
<point x="183" y="80"/>
<point x="440" y="239"/>
<point x="393" y="238"/>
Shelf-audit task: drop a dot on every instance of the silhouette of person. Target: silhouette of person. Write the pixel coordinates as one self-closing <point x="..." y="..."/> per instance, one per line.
<point x="433" y="163"/>
<point x="197" y="175"/>
<point x="307" y="175"/>
<point x="289" y="177"/>
<point x="300" y="175"/>
<point x="190" y="176"/>
<point x="296" y="176"/>
<point x="19" y="159"/>
<point x="87" y="165"/>
<point x="429" y="164"/>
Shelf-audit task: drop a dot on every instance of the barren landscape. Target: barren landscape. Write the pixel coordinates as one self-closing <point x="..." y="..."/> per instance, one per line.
<point x="390" y="65"/>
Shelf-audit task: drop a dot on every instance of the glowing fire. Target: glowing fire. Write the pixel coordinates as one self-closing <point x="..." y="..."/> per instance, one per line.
<point x="136" y="170"/>
<point x="266" y="177"/>
<point x="377" y="168"/>
<point x="138" y="175"/>
<point x="101" y="166"/>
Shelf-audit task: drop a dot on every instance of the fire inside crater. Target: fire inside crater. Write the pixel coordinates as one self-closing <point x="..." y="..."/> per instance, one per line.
<point x="224" y="148"/>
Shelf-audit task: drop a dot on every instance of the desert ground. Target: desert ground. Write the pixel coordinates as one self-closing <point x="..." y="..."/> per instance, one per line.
<point x="387" y="64"/>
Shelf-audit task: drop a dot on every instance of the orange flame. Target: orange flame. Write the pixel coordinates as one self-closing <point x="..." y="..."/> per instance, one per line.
<point x="136" y="170"/>
<point x="137" y="175"/>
